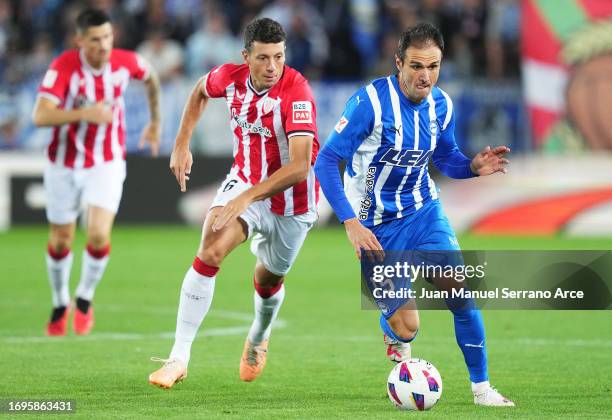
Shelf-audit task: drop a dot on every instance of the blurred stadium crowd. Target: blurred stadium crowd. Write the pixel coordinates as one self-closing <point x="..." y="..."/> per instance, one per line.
<point x="328" y="41"/>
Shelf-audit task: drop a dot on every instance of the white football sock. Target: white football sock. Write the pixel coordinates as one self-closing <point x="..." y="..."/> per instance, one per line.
<point x="59" y="279"/>
<point x="196" y="296"/>
<point x="92" y="270"/>
<point x="266" y="310"/>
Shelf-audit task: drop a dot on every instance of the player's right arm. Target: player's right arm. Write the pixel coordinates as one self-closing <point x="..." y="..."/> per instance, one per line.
<point x="212" y="85"/>
<point x="48" y="110"/>
<point x="353" y="127"/>
<point x="48" y="113"/>
<point x="181" y="158"/>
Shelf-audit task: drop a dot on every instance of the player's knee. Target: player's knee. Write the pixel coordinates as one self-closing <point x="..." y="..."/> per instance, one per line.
<point x="265" y="278"/>
<point x="98" y="240"/>
<point x="404" y="327"/>
<point x="211" y="255"/>
<point x="60" y="239"/>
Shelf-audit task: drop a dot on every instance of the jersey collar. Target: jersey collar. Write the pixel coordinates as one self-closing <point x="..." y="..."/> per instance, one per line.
<point x="263" y="92"/>
<point x="92" y="70"/>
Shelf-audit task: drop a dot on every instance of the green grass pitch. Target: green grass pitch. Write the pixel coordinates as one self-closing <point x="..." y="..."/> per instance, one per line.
<point x="326" y="359"/>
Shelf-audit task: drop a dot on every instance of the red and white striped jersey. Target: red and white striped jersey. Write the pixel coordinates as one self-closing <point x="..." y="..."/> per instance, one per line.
<point x="263" y="124"/>
<point x="72" y="83"/>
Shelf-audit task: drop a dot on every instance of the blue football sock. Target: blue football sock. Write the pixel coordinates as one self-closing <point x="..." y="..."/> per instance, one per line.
<point x="384" y="325"/>
<point x="470" y="334"/>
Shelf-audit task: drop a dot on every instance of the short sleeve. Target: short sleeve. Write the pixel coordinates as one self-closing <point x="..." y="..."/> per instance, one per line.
<point x="216" y="82"/>
<point x="354" y="126"/>
<point x="138" y="66"/>
<point x="55" y="83"/>
<point x="299" y="113"/>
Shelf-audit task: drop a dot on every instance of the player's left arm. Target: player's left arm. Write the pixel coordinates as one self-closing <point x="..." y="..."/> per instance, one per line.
<point x="151" y="132"/>
<point x="294" y="172"/>
<point x="453" y="163"/>
<point x="140" y="69"/>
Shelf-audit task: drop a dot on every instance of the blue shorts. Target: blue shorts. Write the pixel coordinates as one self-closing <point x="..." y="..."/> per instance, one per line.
<point x="424" y="237"/>
<point x="426" y="229"/>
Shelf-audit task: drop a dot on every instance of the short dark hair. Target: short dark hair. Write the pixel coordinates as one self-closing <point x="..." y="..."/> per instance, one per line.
<point x="91" y="17"/>
<point x="263" y="30"/>
<point x="419" y="36"/>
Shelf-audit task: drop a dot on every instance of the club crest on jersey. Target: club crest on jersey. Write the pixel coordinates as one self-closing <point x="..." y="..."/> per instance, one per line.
<point x="433" y="128"/>
<point x="341" y="124"/>
<point x="269" y="104"/>
<point x="302" y="112"/>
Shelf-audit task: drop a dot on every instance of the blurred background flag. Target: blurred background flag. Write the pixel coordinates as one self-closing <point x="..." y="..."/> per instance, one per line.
<point x="566" y="49"/>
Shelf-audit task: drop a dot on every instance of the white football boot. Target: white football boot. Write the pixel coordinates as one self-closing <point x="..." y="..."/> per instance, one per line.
<point x="490" y="397"/>
<point x="396" y="350"/>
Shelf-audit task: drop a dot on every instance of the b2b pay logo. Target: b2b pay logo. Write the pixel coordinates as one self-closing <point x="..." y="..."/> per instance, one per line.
<point x="302" y="112"/>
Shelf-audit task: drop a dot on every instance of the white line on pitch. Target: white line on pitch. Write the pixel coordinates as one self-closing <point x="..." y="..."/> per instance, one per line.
<point x="206" y="332"/>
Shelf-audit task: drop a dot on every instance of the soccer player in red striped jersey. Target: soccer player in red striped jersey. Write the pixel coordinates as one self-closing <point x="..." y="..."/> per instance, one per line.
<point x="81" y="97"/>
<point x="270" y="193"/>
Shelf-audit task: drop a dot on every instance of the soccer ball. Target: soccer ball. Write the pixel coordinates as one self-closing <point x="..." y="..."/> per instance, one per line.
<point x="414" y="384"/>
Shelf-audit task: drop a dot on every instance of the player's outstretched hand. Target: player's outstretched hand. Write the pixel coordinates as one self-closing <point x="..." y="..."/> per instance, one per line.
<point x="362" y="238"/>
<point x="150" y="134"/>
<point x="98" y="113"/>
<point x="488" y="161"/>
<point x="180" y="165"/>
<point x="231" y="211"/>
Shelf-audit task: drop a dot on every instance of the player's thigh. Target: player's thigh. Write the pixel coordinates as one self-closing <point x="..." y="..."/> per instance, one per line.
<point x="63" y="195"/>
<point x="103" y="186"/>
<point x="215" y="246"/>
<point x="278" y="244"/>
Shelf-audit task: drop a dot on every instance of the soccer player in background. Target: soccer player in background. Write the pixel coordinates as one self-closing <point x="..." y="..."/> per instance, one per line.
<point x="388" y="132"/>
<point x="270" y="193"/>
<point x="81" y="97"/>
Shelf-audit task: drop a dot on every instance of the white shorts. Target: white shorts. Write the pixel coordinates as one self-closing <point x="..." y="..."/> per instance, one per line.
<point x="69" y="190"/>
<point x="276" y="240"/>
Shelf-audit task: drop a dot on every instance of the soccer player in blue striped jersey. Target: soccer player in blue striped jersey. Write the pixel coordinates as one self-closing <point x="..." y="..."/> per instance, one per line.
<point x="388" y="133"/>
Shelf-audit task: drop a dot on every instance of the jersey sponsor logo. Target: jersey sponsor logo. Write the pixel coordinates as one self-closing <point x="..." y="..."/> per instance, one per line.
<point x="302" y="112"/>
<point x="49" y="79"/>
<point x="341" y="124"/>
<point x="366" y="201"/>
<point x="251" y="127"/>
<point x="406" y="158"/>
<point x="433" y="128"/>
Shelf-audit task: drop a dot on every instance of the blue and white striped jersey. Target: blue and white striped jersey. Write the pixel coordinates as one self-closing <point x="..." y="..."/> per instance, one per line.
<point x="387" y="141"/>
